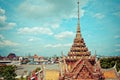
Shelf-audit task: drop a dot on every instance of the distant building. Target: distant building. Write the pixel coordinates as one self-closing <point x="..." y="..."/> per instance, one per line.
<point x="11" y="56"/>
<point x="30" y="58"/>
<point x="1" y="58"/>
<point x="36" y="58"/>
<point x="20" y="59"/>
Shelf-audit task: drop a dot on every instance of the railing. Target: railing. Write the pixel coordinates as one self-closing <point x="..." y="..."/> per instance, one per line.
<point x="37" y="75"/>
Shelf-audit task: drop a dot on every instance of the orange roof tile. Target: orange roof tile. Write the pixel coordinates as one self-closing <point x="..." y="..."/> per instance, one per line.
<point x="110" y="74"/>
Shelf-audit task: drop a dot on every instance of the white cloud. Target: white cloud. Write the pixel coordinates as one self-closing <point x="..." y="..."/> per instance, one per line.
<point x="11" y="24"/>
<point x="35" y="9"/>
<point x="53" y="45"/>
<point x="74" y="14"/>
<point x="62" y="35"/>
<point x="99" y="15"/>
<point x="2" y="11"/>
<point x="35" y="30"/>
<point x="4" y="42"/>
<point x="67" y="45"/>
<point x="2" y="19"/>
<point x="1" y="37"/>
<point x="7" y="26"/>
<point x="117" y="14"/>
<point x="50" y="12"/>
<point x="117" y="36"/>
<point x="82" y="12"/>
<point x="117" y="50"/>
<point x="34" y="39"/>
<point x="58" y="45"/>
<point x="15" y="50"/>
<point x="118" y="45"/>
<point x="31" y="39"/>
<point x="7" y="43"/>
<point x="55" y="25"/>
<point x="55" y="9"/>
<point x="3" y="24"/>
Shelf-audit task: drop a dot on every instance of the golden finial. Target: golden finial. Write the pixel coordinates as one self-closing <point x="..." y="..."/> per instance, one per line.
<point x="78" y="12"/>
<point x="78" y="35"/>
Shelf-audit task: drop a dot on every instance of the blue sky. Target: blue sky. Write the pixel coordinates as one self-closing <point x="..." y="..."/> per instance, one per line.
<point x="48" y="27"/>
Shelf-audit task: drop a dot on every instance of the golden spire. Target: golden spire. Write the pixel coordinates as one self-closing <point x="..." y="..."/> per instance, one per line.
<point x="78" y="13"/>
<point x="78" y="35"/>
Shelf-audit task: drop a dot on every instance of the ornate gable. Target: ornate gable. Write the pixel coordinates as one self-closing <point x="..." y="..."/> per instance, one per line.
<point x="82" y="70"/>
<point x="84" y="73"/>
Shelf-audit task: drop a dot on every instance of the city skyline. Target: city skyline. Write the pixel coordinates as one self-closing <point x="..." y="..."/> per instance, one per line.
<point x="48" y="27"/>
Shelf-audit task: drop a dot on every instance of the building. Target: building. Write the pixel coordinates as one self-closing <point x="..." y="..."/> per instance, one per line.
<point x="11" y="56"/>
<point x="39" y="59"/>
<point x="79" y="64"/>
<point x="36" y="58"/>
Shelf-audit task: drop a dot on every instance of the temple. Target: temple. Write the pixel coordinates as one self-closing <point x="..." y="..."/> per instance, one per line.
<point x="79" y="64"/>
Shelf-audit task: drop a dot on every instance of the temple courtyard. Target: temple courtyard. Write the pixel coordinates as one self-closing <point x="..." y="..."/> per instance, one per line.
<point x="51" y="70"/>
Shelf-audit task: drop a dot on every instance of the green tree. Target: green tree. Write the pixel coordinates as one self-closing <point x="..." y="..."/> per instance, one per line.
<point x="110" y="62"/>
<point x="8" y="72"/>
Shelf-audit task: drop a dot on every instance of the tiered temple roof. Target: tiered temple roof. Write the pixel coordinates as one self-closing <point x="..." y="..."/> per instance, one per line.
<point x="80" y="65"/>
<point x="78" y="48"/>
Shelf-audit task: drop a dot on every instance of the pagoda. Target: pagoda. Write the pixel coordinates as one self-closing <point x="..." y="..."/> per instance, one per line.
<point x="79" y="64"/>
